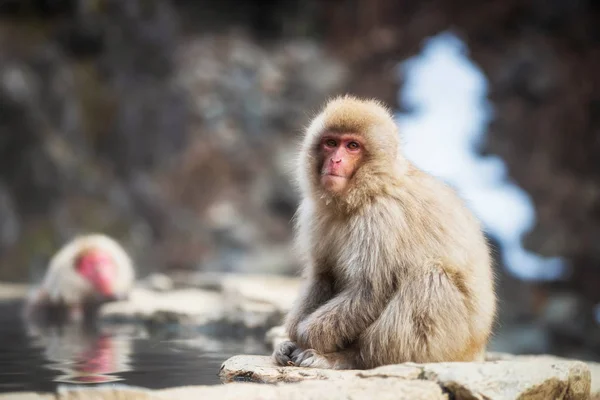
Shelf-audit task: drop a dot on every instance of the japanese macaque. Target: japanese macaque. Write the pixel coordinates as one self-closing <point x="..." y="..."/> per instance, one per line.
<point x="397" y="268"/>
<point x="85" y="273"/>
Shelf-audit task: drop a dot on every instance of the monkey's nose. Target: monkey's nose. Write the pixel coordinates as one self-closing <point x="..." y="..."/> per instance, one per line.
<point x="336" y="160"/>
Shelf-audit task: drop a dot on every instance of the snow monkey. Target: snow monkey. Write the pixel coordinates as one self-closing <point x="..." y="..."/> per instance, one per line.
<point x="86" y="272"/>
<point x="397" y="268"/>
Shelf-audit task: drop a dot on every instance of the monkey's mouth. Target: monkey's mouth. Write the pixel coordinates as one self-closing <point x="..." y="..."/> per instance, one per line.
<point x="333" y="175"/>
<point x="334" y="183"/>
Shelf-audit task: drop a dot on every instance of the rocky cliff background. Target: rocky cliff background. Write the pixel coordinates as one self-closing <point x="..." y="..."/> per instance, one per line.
<point x="171" y="126"/>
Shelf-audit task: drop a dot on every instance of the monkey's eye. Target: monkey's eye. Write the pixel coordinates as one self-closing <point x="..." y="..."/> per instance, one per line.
<point x="353" y="146"/>
<point x="330" y="143"/>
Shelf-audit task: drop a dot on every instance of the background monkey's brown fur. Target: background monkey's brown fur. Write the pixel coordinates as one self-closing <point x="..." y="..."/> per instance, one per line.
<point x="397" y="267"/>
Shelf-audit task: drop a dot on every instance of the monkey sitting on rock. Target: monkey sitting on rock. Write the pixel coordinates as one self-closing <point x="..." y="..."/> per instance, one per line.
<point x="397" y="268"/>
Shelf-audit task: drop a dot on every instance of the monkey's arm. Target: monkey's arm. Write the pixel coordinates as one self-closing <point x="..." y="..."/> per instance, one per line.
<point x="339" y="322"/>
<point x="316" y="291"/>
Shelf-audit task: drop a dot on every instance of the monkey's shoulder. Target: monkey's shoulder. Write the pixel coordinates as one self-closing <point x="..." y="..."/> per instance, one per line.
<point x="425" y="186"/>
<point x="426" y="198"/>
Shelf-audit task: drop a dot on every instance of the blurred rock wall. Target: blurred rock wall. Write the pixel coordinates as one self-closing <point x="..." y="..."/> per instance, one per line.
<point x="167" y="125"/>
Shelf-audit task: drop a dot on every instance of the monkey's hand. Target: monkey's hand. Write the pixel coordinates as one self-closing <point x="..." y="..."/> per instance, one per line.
<point x="286" y="354"/>
<point x="313" y="359"/>
<point x="341" y="320"/>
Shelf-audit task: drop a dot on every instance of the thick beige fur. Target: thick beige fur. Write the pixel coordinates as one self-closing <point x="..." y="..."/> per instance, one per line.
<point x="63" y="285"/>
<point x="397" y="267"/>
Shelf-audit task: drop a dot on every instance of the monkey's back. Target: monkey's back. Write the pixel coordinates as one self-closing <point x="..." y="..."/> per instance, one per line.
<point x="443" y="233"/>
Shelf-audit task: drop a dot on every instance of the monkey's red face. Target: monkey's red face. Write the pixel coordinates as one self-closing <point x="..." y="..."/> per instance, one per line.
<point x="341" y="155"/>
<point x="99" y="269"/>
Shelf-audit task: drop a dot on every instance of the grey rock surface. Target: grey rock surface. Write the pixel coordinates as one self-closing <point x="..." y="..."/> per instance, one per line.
<point x="261" y="369"/>
<point x="13" y="291"/>
<point x="594" y="367"/>
<point x="183" y="306"/>
<point x="541" y="378"/>
<point x="251" y="301"/>
<point x="515" y="379"/>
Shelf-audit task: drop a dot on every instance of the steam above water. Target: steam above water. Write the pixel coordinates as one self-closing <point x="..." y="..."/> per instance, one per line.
<point x="448" y="95"/>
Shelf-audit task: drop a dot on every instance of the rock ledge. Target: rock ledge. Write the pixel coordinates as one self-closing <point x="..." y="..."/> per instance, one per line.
<point x="527" y="378"/>
<point x="249" y="301"/>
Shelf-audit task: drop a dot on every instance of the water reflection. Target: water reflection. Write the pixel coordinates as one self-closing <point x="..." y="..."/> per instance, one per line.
<point x="85" y="354"/>
<point x="46" y="357"/>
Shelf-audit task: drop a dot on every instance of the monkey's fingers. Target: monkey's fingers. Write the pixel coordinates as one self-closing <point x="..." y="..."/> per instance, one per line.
<point x="313" y="359"/>
<point x="294" y="356"/>
<point x="297" y="351"/>
<point x="281" y="359"/>
<point x="302" y="359"/>
<point x="283" y="354"/>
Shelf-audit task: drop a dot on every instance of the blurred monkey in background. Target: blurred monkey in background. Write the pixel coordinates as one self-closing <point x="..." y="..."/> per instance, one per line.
<point x="86" y="272"/>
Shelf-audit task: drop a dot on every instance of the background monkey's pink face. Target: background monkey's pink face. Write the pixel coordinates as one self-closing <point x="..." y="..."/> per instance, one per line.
<point x="342" y="154"/>
<point x="98" y="267"/>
